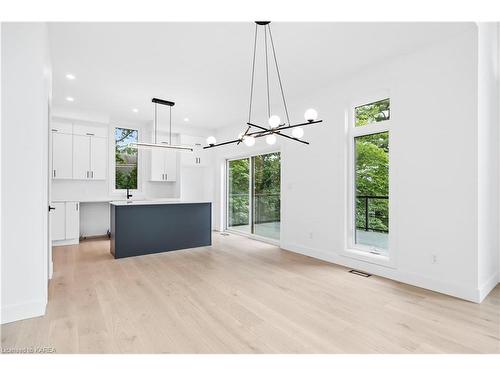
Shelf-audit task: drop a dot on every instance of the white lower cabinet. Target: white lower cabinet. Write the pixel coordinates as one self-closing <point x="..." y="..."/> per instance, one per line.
<point x="58" y="221"/>
<point x="65" y="222"/>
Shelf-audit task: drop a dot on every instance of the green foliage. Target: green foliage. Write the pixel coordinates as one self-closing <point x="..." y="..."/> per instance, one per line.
<point x="267" y="177"/>
<point x="372" y="179"/>
<point x="126" y="159"/>
<point x="373" y="112"/>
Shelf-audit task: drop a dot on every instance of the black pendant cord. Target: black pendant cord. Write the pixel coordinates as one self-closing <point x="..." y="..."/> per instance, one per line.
<point x="170" y="130"/>
<point x="279" y="76"/>
<point x="253" y="75"/>
<point x="155" y="122"/>
<point x="267" y="76"/>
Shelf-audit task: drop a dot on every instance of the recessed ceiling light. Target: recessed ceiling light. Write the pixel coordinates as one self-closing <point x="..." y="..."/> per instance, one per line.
<point x="186" y="119"/>
<point x="70" y="99"/>
<point x="135" y="110"/>
<point x="70" y="76"/>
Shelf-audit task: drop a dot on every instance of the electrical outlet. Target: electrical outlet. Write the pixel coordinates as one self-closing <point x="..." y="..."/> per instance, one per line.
<point x="434" y="259"/>
<point x="310" y="235"/>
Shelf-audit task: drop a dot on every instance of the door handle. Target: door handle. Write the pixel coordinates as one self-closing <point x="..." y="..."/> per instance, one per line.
<point x="51" y="208"/>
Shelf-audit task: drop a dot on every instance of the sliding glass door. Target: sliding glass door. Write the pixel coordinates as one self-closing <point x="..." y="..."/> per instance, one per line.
<point x="253" y="195"/>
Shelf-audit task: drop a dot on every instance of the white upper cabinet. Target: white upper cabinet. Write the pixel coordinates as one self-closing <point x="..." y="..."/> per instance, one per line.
<point x="62" y="154"/>
<point x="81" y="157"/>
<point x="163" y="165"/>
<point x="199" y="157"/>
<point x="79" y="151"/>
<point x="61" y="126"/>
<point x="98" y="157"/>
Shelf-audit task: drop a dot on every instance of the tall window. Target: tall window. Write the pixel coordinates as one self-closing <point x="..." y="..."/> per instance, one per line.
<point x="370" y="137"/>
<point x="253" y="195"/>
<point x="125" y="158"/>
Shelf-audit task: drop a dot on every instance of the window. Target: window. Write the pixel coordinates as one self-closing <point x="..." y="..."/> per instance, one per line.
<point x="370" y="187"/>
<point x="125" y="158"/>
<point x="253" y="195"/>
<point x="374" y="112"/>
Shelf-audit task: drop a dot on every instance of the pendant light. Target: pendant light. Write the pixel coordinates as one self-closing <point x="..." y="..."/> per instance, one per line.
<point x="274" y="127"/>
<point x="163" y="145"/>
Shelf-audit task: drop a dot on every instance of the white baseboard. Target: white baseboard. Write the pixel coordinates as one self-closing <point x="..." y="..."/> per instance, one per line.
<point x="74" y="241"/>
<point x="488" y="286"/>
<point x="452" y="289"/>
<point x="32" y="309"/>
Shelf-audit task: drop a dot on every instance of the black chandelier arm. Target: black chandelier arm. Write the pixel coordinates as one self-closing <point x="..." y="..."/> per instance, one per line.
<point x="245" y="133"/>
<point x="286" y="127"/>
<point x="277" y="132"/>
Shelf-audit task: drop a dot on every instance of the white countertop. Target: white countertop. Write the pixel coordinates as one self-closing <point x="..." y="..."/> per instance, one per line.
<point x="150" y="202"/>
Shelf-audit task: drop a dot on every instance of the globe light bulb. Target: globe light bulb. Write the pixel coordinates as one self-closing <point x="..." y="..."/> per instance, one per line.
<point x="274" y="121"/>
<point x="249" y="140"/>
<point x="211" y="141"/>
<point x="271" y="139"/>
<point x="311" y="115"/>
<point x="298" y="132"/>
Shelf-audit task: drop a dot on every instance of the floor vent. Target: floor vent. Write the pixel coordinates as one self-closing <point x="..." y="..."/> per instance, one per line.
<point x="359" y="273"/>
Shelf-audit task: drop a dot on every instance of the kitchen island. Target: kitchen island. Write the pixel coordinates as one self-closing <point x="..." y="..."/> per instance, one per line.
<point x="148" y="227"/>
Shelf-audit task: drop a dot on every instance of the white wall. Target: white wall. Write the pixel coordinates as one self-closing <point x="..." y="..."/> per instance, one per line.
<point x="433" y="168"/>
<point x="25" y="104"/>
<point x="488" y="187"/>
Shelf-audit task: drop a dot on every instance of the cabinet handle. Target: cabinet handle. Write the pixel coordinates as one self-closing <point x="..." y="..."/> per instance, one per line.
<point x="90" y="133"/>
<point x="55" y="130"/>
<point x="92" y="174"/>
<point x="54" y="173"/>
<point x="77" y="206"/>
<point x="87" y="174"/>
<point x="165" y="177"/>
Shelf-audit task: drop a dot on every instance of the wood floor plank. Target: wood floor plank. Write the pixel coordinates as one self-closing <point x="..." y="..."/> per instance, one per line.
<point x="243" y="296"/>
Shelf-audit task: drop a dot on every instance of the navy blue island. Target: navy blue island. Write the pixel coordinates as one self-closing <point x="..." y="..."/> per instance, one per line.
<point x="148" y="227"/>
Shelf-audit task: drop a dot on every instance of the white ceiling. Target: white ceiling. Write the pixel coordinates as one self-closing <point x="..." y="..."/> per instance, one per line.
<point x="205" y="67"/>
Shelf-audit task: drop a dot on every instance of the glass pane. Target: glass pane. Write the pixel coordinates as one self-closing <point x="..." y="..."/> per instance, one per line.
<point x="238" y="204"/>
<point x="126" y="159"/>
<point x="266" y="206"/>
<point x="372" y="112"/>
<point x="372" y="191"/>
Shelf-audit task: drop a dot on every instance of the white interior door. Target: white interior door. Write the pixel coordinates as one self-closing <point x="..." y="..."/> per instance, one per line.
<point x="62" y="153"/>
<point x="98" y="158"/>
<point x="81" y="157"/>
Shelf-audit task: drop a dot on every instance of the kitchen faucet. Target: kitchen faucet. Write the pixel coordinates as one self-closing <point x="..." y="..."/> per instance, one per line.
<point x="128" y="194"/>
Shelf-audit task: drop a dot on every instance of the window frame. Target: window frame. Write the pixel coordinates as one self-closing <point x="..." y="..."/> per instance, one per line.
<point x="353" y="250"/>
<point x="251" y="180"/>
<point x="113" y="188"/>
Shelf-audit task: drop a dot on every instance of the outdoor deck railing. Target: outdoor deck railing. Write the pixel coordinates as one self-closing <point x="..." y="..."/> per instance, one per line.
<point x="379" y="214"/>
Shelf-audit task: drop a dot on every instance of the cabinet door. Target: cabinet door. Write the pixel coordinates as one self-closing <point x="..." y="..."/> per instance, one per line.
<point x="98" y="158"/>
<point x="171" y="165"/>
<point x="72" y="220"/>
<point x="57" y="223"/>
<point x="81" y="157"/>
<point x="157" y="165"/>
<point x="62" y="154"/>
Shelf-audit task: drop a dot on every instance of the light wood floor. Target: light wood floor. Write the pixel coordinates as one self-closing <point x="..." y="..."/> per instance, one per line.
<point x="242" y="296"/>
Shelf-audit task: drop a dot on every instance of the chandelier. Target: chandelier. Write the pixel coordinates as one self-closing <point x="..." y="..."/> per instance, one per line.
<point x="275" y="126"/>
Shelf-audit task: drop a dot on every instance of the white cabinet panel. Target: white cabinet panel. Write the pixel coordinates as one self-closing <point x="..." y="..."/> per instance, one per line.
<point x="72" y="220"/>
<point x="81" y="157"/>
<point x="98" y="158"/>
<point x="58" y="226"/>
<point x="89" y="130"/>
<point x="199" y="157"/>
<point x="62" y="153"/>
<point x="61" y="126"/>
<point x="171" y="165"/>
<point x="157" y="164"/>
